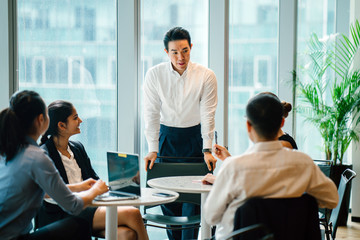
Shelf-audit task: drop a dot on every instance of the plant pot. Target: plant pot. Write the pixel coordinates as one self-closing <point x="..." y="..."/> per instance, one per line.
<point x="335" y="175"/>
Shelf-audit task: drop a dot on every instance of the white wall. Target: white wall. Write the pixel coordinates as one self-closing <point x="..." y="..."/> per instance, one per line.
<point x="354" y="149"/>
<point x="127" y="72"/>
<point x="4" y="55"/>
<point x="218" y="62"/>
<point x="286" y="62"/>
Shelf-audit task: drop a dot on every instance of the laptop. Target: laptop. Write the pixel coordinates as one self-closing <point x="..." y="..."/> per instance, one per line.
<point x="124" y="177"/>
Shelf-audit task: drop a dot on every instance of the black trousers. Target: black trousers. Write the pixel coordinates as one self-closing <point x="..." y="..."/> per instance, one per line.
<point x="49" y="213"/>
<point x="180" y="142"/>
<point x="73" y="228"/>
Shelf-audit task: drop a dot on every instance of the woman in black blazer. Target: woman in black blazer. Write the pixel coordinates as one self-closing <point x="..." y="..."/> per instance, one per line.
<point x="73" y="164"/>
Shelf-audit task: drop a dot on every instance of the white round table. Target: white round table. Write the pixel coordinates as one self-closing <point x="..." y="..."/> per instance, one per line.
<point x="186" y="184"/>
<point x="146" y="199"/>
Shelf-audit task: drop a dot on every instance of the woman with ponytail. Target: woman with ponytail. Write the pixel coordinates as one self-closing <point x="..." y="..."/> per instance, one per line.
<point x="74" y="166"/>
<point x="26" y="173"/>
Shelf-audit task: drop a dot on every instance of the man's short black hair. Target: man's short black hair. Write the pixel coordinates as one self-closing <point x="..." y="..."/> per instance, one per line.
<point x="265" y="113"/>
<point x="176" y="33"/>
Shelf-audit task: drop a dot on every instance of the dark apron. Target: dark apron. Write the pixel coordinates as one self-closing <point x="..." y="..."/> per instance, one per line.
<point x="180" y="142"/>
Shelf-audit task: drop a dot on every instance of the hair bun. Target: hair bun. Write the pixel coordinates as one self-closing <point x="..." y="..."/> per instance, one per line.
<point x="287" y="108"/>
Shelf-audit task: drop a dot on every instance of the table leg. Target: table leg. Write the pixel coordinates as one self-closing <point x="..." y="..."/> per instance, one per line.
<point x="205" y="228"/>
<point x="111" y="223"/>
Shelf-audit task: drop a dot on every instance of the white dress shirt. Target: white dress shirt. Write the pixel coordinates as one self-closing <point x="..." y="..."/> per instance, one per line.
<point x="266" y="170"/>
<point x="180" y="101"/>
<point x="72" y="169"/>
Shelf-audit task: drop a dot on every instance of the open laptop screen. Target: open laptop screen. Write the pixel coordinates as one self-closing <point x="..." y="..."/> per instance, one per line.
<point x="123" y="172"/>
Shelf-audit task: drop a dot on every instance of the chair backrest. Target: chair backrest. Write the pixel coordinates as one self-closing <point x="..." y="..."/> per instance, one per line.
<point x="179" y="169"/>
<point x="324" y="165"/>
<point x="286" y="218"/>
<point x="345" y="180"/>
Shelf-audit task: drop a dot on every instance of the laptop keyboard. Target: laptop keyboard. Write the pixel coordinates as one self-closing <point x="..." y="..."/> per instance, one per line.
<point x="117" y="194"/>
<point x="113" y="196"/>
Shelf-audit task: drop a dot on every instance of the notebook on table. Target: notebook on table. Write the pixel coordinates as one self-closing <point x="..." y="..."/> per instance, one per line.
<point x="124" y="177"/>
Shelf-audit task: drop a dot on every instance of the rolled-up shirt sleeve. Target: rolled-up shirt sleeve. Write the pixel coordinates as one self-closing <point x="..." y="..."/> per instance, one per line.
<point x="323" y="189"/>
<point x="47" y="177"/>
<point x="208" y="103"/>
<point x="220" y="196"/>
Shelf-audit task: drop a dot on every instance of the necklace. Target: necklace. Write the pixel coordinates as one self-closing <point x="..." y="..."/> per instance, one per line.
<point x="63" y="151"/>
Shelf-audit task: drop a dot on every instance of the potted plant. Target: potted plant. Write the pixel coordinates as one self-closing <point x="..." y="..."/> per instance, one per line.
<point x="330" y="97"/>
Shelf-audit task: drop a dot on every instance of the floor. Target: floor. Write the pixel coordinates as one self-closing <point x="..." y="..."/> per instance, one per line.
<point x="350" y="232"/>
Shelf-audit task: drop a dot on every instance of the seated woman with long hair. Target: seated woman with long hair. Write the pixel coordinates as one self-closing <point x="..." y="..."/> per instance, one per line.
<point x="26" y="173"/>
<point x="74" y="165"/>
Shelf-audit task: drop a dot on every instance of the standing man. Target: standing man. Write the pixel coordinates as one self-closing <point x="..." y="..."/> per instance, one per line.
<point x="180" y="99"/>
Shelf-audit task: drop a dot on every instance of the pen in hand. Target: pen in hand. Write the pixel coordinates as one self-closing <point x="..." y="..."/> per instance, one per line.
<point x="216" y="142"/>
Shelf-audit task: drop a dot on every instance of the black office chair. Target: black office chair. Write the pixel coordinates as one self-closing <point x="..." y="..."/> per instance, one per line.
<point x="277" y="218"/>
<point x="259" y="228"/>
<point x="325" y="166"/>
<point x="330" y="219"/>
<point x="175" y="169"/>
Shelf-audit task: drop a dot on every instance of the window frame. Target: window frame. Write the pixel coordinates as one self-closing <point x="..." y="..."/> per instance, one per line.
<point x="128" y="19"/>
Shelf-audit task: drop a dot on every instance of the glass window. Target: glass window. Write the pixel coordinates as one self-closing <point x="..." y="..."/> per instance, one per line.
<point x="313" y="17"/>
<point x="253" y="31"/>
<point x="39" y="69"/>
<point x="64" y="47"/>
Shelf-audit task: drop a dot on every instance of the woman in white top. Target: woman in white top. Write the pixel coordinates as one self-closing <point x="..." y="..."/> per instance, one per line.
<point x="73" y="163"/>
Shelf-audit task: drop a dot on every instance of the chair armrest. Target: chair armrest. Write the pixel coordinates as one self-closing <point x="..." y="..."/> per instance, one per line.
<point x="324" y="218"/>
<point x="251" y="228"/>
<point x="172" y="220"/>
